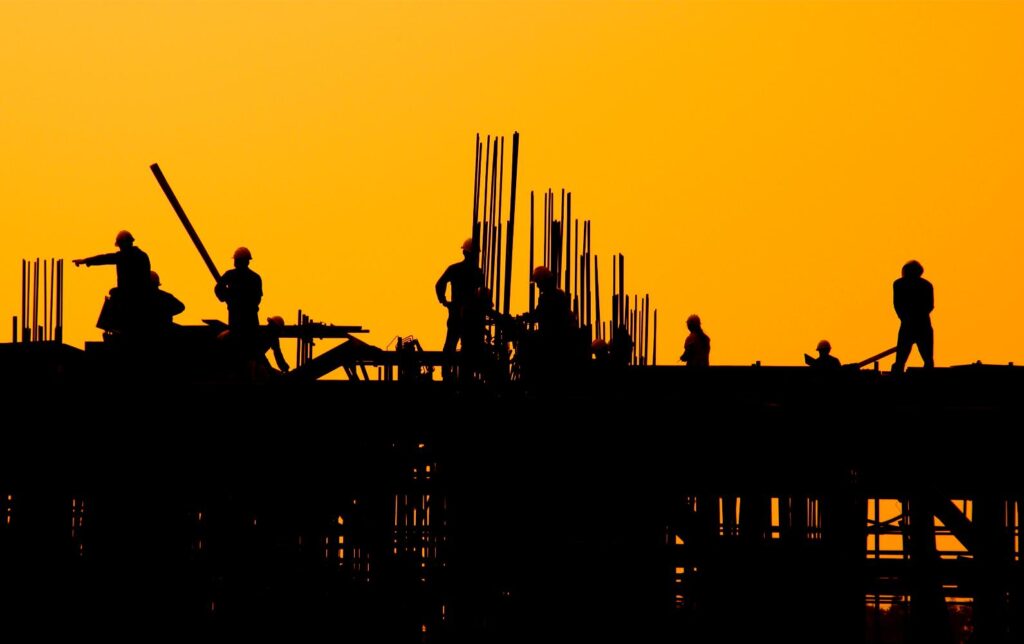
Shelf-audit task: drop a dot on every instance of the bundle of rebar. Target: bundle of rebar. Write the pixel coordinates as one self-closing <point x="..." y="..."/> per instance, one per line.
<point x="46" y="325"/>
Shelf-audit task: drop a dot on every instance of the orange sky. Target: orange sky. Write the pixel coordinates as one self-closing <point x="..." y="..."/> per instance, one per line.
<point x="768" y="165"/>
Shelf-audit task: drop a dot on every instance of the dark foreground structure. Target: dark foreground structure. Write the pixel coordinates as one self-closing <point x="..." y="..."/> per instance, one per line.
<point x="659" y="504"/>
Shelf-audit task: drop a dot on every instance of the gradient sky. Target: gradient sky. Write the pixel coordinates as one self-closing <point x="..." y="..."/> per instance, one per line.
<point x="768" y="165"/>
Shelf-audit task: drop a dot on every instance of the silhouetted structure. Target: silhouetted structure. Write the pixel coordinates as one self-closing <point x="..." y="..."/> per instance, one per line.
<point x="697" y="346"/>
<point x="465" y="326"/>
<point x="913" y="298"/>
<point x="825" y="359"/>
<point x="127" y="307"/>
<point x="242" y="289"/>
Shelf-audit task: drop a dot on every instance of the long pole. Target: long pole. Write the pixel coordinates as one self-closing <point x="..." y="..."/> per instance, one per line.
<point x="597" y="300"/>
<point x="512" y="225"/>
<point x="647" y="325"/>
<point x="60" y="301"/>
<point x="184" y="220"/>
<point x="35" y="302"/>
<point x="46" y="290"/>
<point x="24" y="300"/>
<point x="476" y="192"/>
<point x="654" y="356"/>
<point x="533" y="287"/>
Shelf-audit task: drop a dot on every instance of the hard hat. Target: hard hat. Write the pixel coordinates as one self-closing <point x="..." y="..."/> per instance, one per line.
<point x="824" y="346"/>
<point x="913" y="268"/>
<point x="541" y="273"/>
<point x="693" y="319"/>
<point x="276" y="320"/>
<point x="122" y="237"/>
<point x="242" y="253"/>
<point x="468" y="246"/>
<point x="598" y="345"/>
<point x="154" y="278"/>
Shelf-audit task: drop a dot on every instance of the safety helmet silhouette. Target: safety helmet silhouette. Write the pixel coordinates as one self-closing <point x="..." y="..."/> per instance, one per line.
<point x="154" y="278"/>
<point x="123" y="237"/>
<point x="913" y="268"/>
<point x="242" y="253"/>
<point x="541" y="273"/>
<point x="598" y="345"/>
<point x="824" y="346"/>
<point x="468" y="246"/>
<point x="692" y="321"/>
<point x="276" y="320"/>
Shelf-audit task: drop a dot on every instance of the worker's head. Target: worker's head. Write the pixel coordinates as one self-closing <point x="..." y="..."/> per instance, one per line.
<point x="913" y="268"/>
<point x="242" y="256"/>
<point x="599" y="346"/>
<point x="124" y="239"/>
<point x="275" y="320"/>
<point x="824" y="348"/>
<point x="543" y="276"/>
<point x="693" y="322"/>
<point x="154" y="279"/>
<point x="469" y="247"/>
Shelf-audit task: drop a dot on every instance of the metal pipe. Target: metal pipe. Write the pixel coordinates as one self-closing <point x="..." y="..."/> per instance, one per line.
<point x="533" y="287"/>
<point x="647" y="323"/>
<point x="624" y="301"/>
<point x="570" y="258"/>
<point x="597" y="299"/>
<point x="60" y="301"/>
<point x="53" y="289"/>
<point x="498" y="265"/>
<point x="615" y="300"/>
<point x="575" y="252"/>
<point x="476" y="193"/>
<point x="24" y="300"/>
<point x="184" y="220"/>
<point x="512" y="224"/>
<point x="483" y="223"/>
<point x="298" y="341"/>
<point x="476" y="198"/>
<point x="35" y="303"/>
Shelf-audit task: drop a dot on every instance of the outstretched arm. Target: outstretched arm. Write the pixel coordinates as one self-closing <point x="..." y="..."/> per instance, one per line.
<point x="97" y="260"/>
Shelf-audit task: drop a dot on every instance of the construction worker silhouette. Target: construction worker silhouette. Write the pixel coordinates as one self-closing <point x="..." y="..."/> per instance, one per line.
<point x="242" y="289"/>
<point x="465" y="278"/>
<point x="825" y="359"/>
<point x="913" y="298"/>
<point x="127" y="307"/>
<point x="271" y="341"/>
<point x="549" y="353"/>
<point x="697" y="346"/>
<point x="162" y="305"/>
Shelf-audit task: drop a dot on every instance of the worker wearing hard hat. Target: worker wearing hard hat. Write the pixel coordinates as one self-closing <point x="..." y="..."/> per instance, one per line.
<point x="125" y="309"/>
<point x="697" y="346"/>
<point x="464" y="278"/>
<point x="271" y="341"/>
<point x="825" y="359"/>
<point x="162" y="305"/>
<point x="242" y="289"/>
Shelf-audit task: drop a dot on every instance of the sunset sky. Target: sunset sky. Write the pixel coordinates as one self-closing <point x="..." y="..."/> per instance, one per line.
<point x="767" y="165"/>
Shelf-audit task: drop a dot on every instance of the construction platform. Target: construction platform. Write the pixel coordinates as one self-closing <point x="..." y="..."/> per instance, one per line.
<point x="730" y="504"/>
